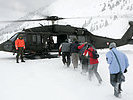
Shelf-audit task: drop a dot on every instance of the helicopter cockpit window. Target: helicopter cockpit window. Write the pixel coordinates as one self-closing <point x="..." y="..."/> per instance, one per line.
<point x="13" y="37"/>
<point x="24" y="37"/>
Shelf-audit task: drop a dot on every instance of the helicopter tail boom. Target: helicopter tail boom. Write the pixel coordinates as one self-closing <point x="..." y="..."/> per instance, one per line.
<point x="127" y="37"/>
<point x="131" y="41"/>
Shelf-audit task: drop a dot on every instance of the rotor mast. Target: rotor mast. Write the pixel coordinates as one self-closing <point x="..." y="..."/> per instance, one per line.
<point x="53" y="19"/>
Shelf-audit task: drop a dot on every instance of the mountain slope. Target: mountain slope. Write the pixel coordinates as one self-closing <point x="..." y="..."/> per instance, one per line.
<point x="104" y="18"/>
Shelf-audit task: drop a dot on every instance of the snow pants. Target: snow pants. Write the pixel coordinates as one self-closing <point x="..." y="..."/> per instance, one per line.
<point x="66" y="58"/>
<point x="75" y="60"/>
<point x="84" y="62"/>
<point x="93" y="69"/>
<point x="20" y="53"/>
<point x="115" y="84"/>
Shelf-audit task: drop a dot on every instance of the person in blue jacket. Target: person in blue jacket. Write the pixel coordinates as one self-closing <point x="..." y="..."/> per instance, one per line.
<point x="118" y="62"/>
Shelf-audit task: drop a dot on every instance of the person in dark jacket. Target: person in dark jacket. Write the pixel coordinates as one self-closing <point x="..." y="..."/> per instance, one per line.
<point x="74" y="53"/>
<point x="118" y="62"/>
<point x="92" y="64"/>
<point x="65" y="49"/>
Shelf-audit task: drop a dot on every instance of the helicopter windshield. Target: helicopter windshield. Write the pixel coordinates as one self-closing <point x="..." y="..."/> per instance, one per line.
<point x="13" y="37"/>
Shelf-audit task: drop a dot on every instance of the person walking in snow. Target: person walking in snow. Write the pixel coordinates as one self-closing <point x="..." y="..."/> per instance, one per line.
<point x="83" y="59"/>
<point x="65" y="49"/>
<point x="20" y="46"/>
<point x="92" y="63"/>
<point x="74" y="52"/>
<point x="118" y="63"/>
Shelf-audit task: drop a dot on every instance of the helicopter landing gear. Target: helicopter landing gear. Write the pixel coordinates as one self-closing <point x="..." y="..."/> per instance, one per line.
<point x="40" y="55"/>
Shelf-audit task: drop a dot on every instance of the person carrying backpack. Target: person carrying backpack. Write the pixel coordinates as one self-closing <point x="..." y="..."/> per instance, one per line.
<point x="92" y="63"/>
<point x="65" y="49"/>
<point x="83" y="59"/>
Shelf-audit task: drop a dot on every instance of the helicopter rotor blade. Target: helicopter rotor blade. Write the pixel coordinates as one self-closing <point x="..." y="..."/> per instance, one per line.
<point x="104" y="16"/>
<point x="55" y="18"/>
<point x="48" y="18"/>
<point x="22" y="20"/>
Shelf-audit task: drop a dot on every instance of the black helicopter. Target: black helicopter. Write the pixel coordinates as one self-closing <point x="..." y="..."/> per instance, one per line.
<point x="45" y="39"/>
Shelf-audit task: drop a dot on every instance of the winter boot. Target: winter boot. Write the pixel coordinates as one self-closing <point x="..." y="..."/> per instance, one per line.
<point x="67" y="64"/>
<point x="116" y="90"/>
<point x="17" y="60"/>
<point x="120" y="88"/>
<point x="22" y="60"/>
<point x="100" y="81"/>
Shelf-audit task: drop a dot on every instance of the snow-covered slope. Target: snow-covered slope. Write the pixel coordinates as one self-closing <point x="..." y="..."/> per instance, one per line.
<point x="108" y="17"/>
<point x="10" y="29"/>
<point x="105" y="17"/>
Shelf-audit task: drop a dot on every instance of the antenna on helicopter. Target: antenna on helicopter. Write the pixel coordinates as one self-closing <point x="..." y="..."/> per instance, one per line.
<point x="40" y="24"/>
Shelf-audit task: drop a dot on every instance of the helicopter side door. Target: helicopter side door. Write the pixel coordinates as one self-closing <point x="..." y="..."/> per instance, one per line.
<point x="60" y="39"/>
<point x="53" y="42"/>
<point x="34" y="42"/>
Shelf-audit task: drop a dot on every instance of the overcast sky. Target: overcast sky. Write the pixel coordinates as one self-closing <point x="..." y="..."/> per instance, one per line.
<point x="13" y="9"/>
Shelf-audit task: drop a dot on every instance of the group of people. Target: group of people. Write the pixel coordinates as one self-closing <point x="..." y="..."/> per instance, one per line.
<point x="84" y="53"/>
<point x="118" y="61"/>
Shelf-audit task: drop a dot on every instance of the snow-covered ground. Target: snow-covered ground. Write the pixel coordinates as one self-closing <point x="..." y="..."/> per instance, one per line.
<point x="49" y="79"/>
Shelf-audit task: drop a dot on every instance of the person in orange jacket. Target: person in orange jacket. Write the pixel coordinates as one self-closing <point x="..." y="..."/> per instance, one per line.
<point x="20" y="46"/>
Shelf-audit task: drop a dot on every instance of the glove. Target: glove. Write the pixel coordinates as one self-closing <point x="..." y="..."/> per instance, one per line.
<point x="125" y="70"/>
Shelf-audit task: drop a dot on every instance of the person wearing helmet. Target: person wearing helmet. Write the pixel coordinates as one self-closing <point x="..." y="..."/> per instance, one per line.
<point x="20" y="46"/>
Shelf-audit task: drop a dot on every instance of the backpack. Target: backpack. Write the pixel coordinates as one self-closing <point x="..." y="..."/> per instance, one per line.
<point x="82" y="50"/>
<point x="74" y="48"/>
<point x="95" y="54"/>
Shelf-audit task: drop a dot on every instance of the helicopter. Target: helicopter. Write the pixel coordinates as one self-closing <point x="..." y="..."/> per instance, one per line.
<point x="42" y="40"/>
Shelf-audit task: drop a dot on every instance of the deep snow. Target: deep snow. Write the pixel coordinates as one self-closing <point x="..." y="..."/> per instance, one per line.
<point x="49" y="79"/>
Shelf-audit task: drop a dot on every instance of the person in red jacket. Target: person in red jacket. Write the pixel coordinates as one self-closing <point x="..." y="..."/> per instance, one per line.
<point x="92" y="63"/>
<point x="20" y="46"/>
<point x="83" y="59"/>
